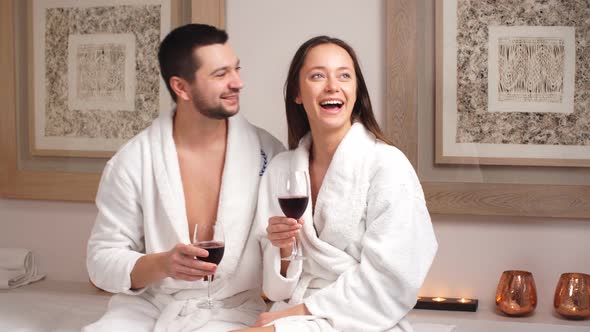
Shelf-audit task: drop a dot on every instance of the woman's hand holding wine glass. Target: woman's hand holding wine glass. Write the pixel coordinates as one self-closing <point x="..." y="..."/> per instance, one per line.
<point x="282" y="232"/>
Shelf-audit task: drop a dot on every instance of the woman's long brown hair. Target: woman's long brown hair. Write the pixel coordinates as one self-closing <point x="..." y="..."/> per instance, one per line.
<point x="297" y="121"/>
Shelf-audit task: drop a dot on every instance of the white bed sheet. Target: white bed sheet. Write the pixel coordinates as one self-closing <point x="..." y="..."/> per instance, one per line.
<point x="51" y="306"/>
<point x="59" y="306"/>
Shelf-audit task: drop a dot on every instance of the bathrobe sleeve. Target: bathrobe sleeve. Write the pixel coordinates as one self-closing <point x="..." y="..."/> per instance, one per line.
<point x="116" y="241"/>
<point x="397" y="250"/>
<point x="274" y="285"/>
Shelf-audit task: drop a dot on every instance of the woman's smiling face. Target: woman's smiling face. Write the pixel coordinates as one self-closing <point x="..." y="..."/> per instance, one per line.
<point x="328" y="88"/>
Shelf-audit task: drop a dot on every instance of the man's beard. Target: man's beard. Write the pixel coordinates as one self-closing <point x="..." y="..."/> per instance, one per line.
<point x="217" y="112"/>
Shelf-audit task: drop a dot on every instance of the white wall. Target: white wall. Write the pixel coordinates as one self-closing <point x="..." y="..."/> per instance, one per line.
<point x="56" y="232"/>
<point x="473" y="251"/>
<point x="266" y="34"/>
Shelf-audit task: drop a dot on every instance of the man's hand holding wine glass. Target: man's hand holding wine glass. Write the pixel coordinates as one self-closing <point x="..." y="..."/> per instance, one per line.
<point x="180" y="263"/>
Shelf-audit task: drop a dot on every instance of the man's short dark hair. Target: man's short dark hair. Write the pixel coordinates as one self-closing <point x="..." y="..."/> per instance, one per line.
<point x="176" y="51"/>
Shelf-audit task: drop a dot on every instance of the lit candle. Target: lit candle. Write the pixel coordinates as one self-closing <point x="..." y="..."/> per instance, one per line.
<point x="463" y="300"/>
<point x="439" y="299"/>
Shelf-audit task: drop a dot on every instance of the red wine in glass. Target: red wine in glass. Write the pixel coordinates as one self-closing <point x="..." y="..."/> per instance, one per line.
<point x="292" y="189"/>
<point x="293" y="206"/>
<point x="215" y="249"/>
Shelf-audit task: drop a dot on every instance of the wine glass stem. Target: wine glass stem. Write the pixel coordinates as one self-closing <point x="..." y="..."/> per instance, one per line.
<point x="209" y="300"/>
<point x="294" y="249"/>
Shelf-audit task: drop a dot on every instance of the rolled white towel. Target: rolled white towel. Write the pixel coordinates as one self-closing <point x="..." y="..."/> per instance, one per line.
<point x="17" y="268"/>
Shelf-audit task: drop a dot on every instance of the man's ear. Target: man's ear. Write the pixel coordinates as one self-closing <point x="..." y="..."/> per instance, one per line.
<point x="180" y="87"/>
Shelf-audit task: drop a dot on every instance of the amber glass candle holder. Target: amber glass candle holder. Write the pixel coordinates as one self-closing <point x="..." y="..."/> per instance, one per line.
<point x="572" y="296"/>
<point x="516" y="294"/>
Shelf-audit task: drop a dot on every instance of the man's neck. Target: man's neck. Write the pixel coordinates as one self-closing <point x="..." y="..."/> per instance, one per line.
<point x="194" y="131"/>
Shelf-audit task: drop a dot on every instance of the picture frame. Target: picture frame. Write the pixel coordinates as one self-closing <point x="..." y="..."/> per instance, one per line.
<point x="411" y="83"/>
<point x="95" y="82"/>
<point x="71" y="182"/>
<point x="508" y="74"/>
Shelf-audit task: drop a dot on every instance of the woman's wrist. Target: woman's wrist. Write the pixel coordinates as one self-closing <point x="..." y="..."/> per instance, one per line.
<point x="284" y="263"/>
<point x="286" y="252"/>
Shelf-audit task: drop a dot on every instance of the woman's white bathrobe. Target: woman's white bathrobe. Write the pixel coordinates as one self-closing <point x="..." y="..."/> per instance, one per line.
<point x="141" y="210"/>
<point x="370" y="244"/>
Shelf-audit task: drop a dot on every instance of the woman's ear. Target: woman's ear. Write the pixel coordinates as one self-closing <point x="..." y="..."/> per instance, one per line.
<point x="298" y="100"/>
<point x="180" y="87"/>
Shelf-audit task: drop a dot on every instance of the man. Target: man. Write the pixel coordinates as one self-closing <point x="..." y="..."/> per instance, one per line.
<point x="200" y="165"/>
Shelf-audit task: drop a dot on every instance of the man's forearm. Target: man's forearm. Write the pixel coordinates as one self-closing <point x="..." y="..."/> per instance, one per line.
<point x="300" y="309"/>
<point x="147" y="270"/>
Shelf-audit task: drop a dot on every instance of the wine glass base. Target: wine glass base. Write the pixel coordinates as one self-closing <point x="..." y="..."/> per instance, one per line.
<point x="293" y="258"/>
<point x="209" y="304"/>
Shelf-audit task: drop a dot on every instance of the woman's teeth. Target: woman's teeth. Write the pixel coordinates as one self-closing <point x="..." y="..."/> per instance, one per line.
<point x="331" y="104"/>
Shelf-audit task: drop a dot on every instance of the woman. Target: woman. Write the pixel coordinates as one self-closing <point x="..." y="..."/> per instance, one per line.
<point x="367" y="236"/>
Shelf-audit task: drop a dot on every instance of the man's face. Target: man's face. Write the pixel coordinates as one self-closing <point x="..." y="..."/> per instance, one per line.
<point x="215" y="92"/>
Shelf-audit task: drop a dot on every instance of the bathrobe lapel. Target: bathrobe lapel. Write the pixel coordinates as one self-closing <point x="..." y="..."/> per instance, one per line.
<point x="344" y="190"/>
<point x="239" y="190"/>
<point x="167" y="176"/>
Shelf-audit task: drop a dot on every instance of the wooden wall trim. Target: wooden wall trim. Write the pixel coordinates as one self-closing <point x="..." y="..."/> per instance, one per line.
<point x="401" y="87"/>
<point x="7" y="95"/>
<point x="559" y="201"/>
<point x="210" y="12"/>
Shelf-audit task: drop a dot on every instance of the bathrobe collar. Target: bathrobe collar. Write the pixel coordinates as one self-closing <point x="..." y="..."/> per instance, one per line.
<point x="344" y="188"/>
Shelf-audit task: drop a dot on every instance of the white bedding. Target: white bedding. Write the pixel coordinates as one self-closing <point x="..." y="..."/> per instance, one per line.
<point x="51" y="306"/>
<point x="68" y="306"/>
<point x="65" y="306"/>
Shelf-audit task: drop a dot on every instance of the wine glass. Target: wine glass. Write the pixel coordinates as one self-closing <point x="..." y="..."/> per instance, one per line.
<point x="293" y="192"/>
<point x="216" y="247"/>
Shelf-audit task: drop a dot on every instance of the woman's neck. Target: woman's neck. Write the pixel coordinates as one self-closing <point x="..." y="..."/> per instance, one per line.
<point x="324" y="145"/>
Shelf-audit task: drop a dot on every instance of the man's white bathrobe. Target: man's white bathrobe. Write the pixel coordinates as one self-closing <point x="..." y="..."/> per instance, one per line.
<point x="141" y="210"/>
<point x="368" y="245"/>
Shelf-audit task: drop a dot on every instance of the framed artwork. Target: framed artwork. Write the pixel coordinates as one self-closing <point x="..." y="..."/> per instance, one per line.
<point x="511" y="84"/>
<point x="85" y="129"/>
<point x="95" y="73"/>
<point x="506" y="183"/>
